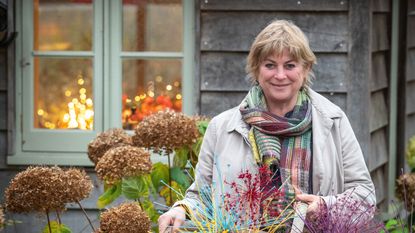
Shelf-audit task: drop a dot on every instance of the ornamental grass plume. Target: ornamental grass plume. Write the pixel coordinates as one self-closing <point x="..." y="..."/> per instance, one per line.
<point x="105" y="141"/>
<point x="126" y="218"/>
<point x="123" y="161"/>
<point x="2" y="220"/>
<point x="405" y="190"/>
<point x="166" y="130"/>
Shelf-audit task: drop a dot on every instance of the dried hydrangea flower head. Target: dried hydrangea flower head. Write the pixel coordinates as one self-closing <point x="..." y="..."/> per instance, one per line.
<point x="105" y="141"/>
<point x="125" y="218"/>
<point x="123" y="161"/>
<point x="2" y="220"/>
<point x="36" y="189"/>
<point x="405" y="190"/>
<point x="166" y="130"/>
<point x="78" y="185"/>
<point x="44" y="189"/>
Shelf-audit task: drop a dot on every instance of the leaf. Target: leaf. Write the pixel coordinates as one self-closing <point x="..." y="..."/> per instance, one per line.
<point x="202" y="126"/>
<point x="181" y="156"/>
<point x="196" y="150"/>
<point x="160" y="172"/>
<point x="150" y="210"/>
<point x="166" y="191"/>
<point x="111" y="193"/>
<point x="135" y="187"/>
<point x="180" y="177"/>
<point x="391" y="224"/>
<point x="56" y="228"/>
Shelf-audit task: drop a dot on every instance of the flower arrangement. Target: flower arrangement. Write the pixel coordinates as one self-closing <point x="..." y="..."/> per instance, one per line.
<point x="45" y="189"/>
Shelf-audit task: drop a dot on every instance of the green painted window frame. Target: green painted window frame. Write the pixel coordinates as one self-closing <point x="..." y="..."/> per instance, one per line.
<point x="107" y="84"/>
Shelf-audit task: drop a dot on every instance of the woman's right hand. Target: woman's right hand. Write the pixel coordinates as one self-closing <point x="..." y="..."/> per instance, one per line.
<point x="174" y="217"/>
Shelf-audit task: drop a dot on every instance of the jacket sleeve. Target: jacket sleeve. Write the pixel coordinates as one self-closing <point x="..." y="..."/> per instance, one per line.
<point x="203" y="171"/>
<point x="357" y="181"/>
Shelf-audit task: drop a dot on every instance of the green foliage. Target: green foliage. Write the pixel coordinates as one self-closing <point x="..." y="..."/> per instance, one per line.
<point x="180" y="157"/>
<point x="410" y="153"/>
<point x="394" y="226"/>
<point x="171" y="196"/>
<point x="202" y="126"/>
<point x="111" y="193"/>
<point x="134" y="188"/>
<point x="159" y="173"/>
<point x="150" y="210"/>
<point x="180" y="177"/>
<point x="56" y="228"/>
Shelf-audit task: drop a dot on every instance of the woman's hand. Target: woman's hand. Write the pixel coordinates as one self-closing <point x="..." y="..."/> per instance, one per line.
<point x="174" y="217"/>
<point x="314" y="202"/>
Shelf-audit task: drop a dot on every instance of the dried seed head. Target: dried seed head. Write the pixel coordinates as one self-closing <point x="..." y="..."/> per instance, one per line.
<point x="106" y="140"/>
<point x="125" y="218"/>
<point x="166" y="130"/>
<point x="78" y="185"/>
<point x="36" y="189"/>
<point x="45" y="189"/>
<point x="2" y="220"/>
<point x="405" y="190"/>
<point x="123" y="161"/>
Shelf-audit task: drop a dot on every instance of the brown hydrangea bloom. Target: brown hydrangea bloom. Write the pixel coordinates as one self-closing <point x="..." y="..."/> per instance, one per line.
<point x="166" y="130"/>
<point x="405" y="190"/>
<point x="36" y="189"/>
<point x="2" y="220"/>
<point x="78" y="185"/>
<point x="105" y="141"/>
<point x="123" y="161"/>
<point x="125" y="218"/>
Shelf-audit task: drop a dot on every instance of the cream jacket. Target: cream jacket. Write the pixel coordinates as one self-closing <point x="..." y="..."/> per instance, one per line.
<point x="338" y="166"/>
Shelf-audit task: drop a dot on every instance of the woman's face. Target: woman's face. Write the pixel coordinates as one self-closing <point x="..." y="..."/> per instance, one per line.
<point x="281" y="77"/>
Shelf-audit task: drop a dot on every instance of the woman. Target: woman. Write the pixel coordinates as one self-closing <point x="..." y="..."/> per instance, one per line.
<point x="304" y="139"/>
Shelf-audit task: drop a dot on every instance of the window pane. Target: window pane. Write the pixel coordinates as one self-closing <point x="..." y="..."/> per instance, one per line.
<point x="152" y="25"/>
<point x="150" y="86"/>
<point x="63" y="25"/>
<point x="63" y="97"/>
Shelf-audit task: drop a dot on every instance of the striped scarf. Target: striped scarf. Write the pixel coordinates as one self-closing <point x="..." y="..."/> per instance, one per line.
<point x="282" y="143"/>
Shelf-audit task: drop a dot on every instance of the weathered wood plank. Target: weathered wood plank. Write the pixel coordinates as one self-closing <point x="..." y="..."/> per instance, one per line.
<point x="411" y="32"/>
<point x="410" y="97"/>
<point x="337" y="98"/>
<point x="410" y="127"/>
<point x="380" y="33"/>
<point x="3" y="110"/>
<point x="410" y="64"/>
<point x="378" y="149"/>
<point x="3" y="70"/>
<point x="358" y="97"/>
<point x="381" y="5"/>
<point x="274" y="5"/>
<point x="3" y="148"/>
<point x="378" y="111"/>
<point x="411" y="5"/>
<point x="235" y="31"/>
<point x="226" y="72"/>
<point x="11" y="103"/>
<point x="379" y="77"/>
<point x="379" y="178"/>
<point x="213" y="103"/>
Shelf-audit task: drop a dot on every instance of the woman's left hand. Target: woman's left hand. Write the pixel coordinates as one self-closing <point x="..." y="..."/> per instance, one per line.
<point x="314" y="202"/>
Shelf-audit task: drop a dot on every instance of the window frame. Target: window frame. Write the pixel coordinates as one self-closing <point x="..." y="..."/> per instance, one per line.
<point x="107" y="89"/>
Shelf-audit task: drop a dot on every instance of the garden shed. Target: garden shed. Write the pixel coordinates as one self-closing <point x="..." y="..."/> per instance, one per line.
<point x="121" y="58"/>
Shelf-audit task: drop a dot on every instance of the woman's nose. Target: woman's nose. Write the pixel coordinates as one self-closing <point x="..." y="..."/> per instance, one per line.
<point x="279" y="74"/>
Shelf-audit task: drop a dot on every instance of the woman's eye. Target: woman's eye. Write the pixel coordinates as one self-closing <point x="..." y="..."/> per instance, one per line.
<point x="290" y="66"/>
<point x="269" y="65"/>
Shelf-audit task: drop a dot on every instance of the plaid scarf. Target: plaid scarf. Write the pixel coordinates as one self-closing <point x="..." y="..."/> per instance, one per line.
<point x="282" y="143"/>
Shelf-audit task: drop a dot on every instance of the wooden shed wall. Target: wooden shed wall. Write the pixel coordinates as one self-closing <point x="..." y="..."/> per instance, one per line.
<point x="350" y="39"/>
<point x="410" y="71"/>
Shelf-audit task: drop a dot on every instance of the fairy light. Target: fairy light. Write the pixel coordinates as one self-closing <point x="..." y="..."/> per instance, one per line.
<point x="159" y="78"/>
<point x="169" y="87"/>
<point x="137" y="98"/>
<point x="81" y="81"/>
<point x="40" y="112"/>
<point x="179" y="96"/>
<point x="150" y="93"/>
<point x="176" y="83"/>
<point x="82" y="91"/>
<point x="68" y="93"/>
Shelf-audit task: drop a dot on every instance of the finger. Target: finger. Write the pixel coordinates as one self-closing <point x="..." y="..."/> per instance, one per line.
<point x="177" y="223"/>
<point x="297" y="191"/>
<point x="306" y="198"/>
<point x="164" y="221"/>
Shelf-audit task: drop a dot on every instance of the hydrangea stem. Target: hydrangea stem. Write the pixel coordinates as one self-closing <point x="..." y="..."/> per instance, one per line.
<point x="86" y="215"/>
<point x="47" y="216"/>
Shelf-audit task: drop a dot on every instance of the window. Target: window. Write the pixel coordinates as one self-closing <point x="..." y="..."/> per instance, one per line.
<point x="84" y="66"/>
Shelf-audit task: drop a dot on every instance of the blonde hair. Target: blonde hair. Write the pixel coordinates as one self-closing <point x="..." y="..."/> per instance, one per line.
<point x="274" y="39"/>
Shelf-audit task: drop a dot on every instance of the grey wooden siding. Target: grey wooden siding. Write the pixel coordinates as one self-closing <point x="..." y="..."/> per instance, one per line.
<point x="352" y="55"/>
<point x="410" y="72"/>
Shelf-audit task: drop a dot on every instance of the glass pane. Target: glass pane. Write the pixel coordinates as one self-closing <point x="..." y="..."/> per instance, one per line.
<point x="63" y="97"/>
<point x="152" y="25"/>
<point x="63" y="25"/>
<point x="150" y="86"/>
